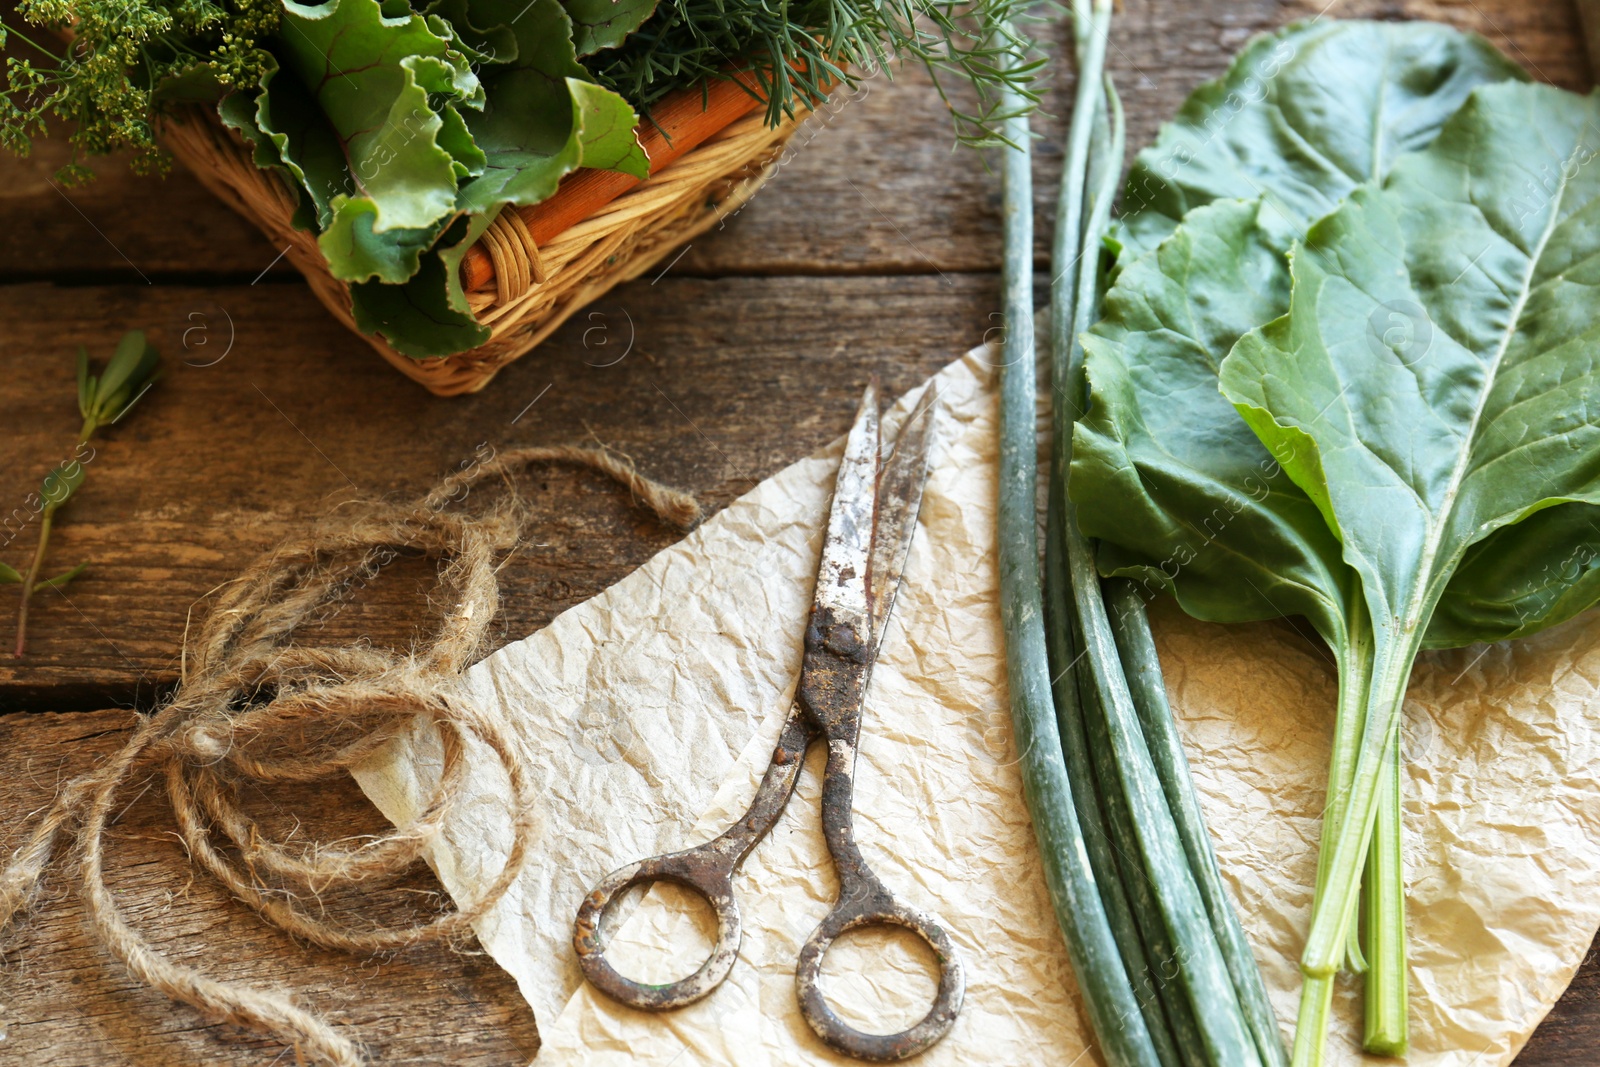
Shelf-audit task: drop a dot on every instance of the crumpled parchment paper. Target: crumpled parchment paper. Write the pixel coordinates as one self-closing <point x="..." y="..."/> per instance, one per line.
<point x="650" y="711"/>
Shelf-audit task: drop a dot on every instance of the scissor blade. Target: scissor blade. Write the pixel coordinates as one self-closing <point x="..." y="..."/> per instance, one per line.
<point x="899" y="500"/>
<point x="846" y="554"/>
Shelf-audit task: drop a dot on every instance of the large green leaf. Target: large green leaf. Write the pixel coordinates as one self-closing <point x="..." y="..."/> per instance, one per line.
<point x="1521" y="579"/>
<point x="1480" y="418"/>
<point x="1303" y="116"/>
<point x="427" y="315"/>
<point x="356" y="252"/>
<point x="304" y="141"/>
<point x="598" y="24"/>
<point x="1181" y="493"/>
<point x="607" y="128"/>
<point x="371" y="76"/>
<point x="395" y="122"/>
<point x="1486" y="244"/>
<point x="484" y="43"/>
<point x="533" y="132"/>
<point x="238" y="112"/>
<point x="1162" y="459"/>
<point x="1185" y="498"/>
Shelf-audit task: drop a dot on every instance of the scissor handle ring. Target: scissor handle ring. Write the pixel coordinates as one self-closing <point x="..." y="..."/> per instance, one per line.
<point x="716" y="886"/>
<point x="879" y="1048"/>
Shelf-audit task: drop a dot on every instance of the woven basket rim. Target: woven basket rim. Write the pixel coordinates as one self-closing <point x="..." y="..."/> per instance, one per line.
<point x="616" y="244"/>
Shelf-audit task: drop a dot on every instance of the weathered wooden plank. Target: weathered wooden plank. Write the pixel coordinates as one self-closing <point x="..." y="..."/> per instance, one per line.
<point x="64" y="1002"/>
<point x="1570" y="1034"/>
<point x="874" y="187"/>
<point x="711" y="385"/>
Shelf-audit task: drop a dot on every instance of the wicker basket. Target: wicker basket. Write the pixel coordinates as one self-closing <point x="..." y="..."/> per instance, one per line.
<point x="535" y="288"/>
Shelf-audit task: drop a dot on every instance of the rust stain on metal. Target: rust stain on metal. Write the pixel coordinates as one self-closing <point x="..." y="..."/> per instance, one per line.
<point x="841" y="645"/>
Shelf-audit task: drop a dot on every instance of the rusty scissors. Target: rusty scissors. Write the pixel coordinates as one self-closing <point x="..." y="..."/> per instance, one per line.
<point x="873" y="516"/>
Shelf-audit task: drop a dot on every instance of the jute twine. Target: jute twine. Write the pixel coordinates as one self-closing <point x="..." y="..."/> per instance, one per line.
<point x="254" y="706"/>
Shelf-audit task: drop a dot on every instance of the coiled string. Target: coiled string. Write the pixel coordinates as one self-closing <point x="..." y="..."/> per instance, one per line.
<point x="254" y="707"/>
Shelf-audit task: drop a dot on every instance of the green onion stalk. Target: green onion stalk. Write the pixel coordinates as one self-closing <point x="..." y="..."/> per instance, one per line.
<point x="1113" y="1009"/>
<point x="1198" y="987"/>
<point x="1134" y="789"/>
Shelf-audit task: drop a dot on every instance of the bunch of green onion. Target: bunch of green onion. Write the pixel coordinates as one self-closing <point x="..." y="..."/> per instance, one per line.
<point x="1167" y="976"/>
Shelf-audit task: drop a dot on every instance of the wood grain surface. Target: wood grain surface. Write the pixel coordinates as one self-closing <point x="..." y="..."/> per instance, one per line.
<point x="874" y="249"/>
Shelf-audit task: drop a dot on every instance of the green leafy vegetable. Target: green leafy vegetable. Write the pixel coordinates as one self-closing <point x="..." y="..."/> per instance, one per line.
<point x="599" y="24"/>
<point x="428" y="315"/>
<point x="1303" y="116"/>
<point x="393" y="139"/>
<point x="391" y="120"/>
<point x="606" y="130"/>
<point x="1183" y="494"/>
<point x="370" y="77"/>
<point x="532" y="133"/>
<point x="1415" y="453"/>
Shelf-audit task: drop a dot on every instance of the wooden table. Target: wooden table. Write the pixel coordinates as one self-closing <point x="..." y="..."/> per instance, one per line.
<point x="874" y="250"/>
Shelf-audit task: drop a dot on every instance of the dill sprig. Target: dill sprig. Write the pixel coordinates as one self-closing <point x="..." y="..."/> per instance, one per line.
<point x="123" y="57"/>
<point x="797" y="51"/>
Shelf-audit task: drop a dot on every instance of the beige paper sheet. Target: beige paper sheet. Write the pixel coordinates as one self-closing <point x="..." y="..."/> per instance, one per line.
<point x="649" y="712"/>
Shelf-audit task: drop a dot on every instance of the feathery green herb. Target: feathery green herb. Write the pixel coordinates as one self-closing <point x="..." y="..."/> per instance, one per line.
<point x="818" y="43"/>
<point x="126" y="58"/>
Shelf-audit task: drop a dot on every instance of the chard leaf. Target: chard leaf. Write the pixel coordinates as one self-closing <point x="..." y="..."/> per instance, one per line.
<point x="371" y="76"/>
<point x="1304" y="115"/>
<point x="1486" y="243"/>
<point x="1185" y="498"/>
<point x="238" y="112"/>
<point x="427" y="316"/>
<point x="356" y="252"/>
<point x="606" y="128"/>
<point x="529" y="132"/>
<point x="451" y="249"/>
<point x="1416" y="451"/>
<point x="598" y="24"/>
<point x="1181" y="493"/>
<point x="483" y="43"/>
<point x="1521" y="579"/>
<point x="305" y="141"/>
<point x="456" y="139"/>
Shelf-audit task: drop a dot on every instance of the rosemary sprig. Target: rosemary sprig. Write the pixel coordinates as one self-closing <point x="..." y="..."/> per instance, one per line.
<point x="799" y="51"/>
<point x="102" y="400"/>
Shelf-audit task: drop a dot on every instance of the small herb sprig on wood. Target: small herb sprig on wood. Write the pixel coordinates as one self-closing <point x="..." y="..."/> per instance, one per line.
<point x="102" y="400"/>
